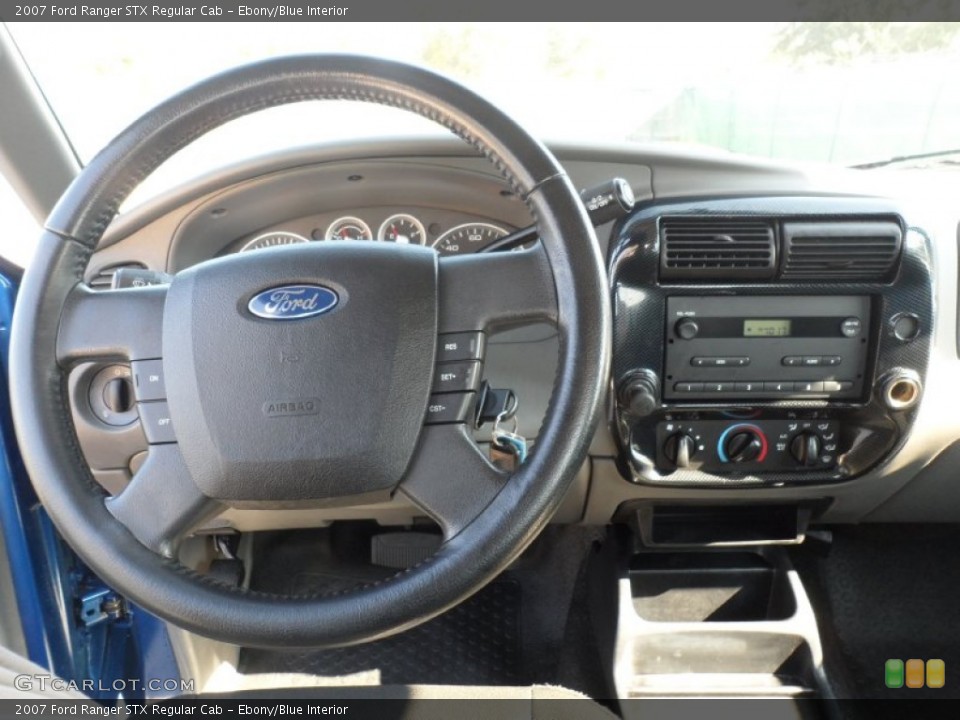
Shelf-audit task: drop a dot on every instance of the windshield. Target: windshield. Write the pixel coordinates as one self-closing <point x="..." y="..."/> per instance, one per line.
<point x="841" y="93"/>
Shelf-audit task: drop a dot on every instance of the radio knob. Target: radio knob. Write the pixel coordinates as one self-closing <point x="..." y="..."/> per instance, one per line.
<point x="679" y="448"/>
<point x="805" y="448"/>
<point x="687" y="328"/>
<point x="743" y="446"/>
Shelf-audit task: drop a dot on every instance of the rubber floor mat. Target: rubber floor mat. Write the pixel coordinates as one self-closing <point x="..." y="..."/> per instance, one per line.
<point x="477" y="642"/>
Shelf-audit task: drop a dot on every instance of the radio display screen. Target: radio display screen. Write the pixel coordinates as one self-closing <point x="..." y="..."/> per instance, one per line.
<point x="766" y="328"/>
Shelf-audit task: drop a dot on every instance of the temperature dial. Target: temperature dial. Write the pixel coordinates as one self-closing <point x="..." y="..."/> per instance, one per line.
<point x="742" y="444"/>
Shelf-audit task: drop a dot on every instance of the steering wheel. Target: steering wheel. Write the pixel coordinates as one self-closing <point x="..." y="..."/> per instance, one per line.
<point x="320" y="398"/>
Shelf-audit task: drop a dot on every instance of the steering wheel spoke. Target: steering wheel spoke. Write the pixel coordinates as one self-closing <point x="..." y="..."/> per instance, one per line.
<point x="487" y="290"/>
<point x="450" y="478"/>
<point x="162" y="503"/>
<point x="124" y="324"/>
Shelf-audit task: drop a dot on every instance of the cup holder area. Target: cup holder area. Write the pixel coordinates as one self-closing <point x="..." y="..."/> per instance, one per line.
<point x="709" y="587"/>
<point x="715" y="622"/>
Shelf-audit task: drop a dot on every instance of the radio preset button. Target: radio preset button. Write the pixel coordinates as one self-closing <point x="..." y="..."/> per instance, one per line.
<point x="688" y="387"/>
<point x="851" y="327"/>
<point x="718" y="387"/>
<point x="749" y="387"/>
<point x="809" y="387"/>
<point x="778" y="387"/>
<point x="831" y="386"/>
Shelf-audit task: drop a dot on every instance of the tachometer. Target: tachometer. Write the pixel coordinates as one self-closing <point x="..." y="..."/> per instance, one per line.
<point x="273" y="239"/>
<point x="349" y="228"/>
<point x="403" y="229"/>
<point x="468" y="238"/>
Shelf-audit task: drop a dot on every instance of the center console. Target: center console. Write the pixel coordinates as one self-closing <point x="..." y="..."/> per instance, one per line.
<point x="766" y="341"/>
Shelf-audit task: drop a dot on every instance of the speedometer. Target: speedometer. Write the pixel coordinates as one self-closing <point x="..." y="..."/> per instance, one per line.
<point x="273" y="239"/>
<point x="468" y="238"/>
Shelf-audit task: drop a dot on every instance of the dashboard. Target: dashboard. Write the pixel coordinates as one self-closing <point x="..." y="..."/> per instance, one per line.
<point x="784" y="337"/>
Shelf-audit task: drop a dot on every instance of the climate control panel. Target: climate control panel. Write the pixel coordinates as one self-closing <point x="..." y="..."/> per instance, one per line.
<point x="726" y="446"/>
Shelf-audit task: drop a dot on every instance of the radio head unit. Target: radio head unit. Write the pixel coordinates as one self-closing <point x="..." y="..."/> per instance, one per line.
<point x="801" y="347"/>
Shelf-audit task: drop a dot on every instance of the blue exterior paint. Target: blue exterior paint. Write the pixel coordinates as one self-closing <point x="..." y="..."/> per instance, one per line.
<point x="16" y="499"/>
<point x="50" y="581"/>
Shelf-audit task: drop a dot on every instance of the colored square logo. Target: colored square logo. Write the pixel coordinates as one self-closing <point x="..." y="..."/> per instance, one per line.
<point x="936" y="673"/>
<point x="914" y="673"/>
<point x="893" y="673"/>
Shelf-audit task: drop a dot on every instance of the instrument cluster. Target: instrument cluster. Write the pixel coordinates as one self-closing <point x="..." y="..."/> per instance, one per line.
<point x="399" y="227"/>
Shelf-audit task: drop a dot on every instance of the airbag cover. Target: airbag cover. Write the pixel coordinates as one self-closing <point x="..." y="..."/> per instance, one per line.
<point x="278" y="402"/>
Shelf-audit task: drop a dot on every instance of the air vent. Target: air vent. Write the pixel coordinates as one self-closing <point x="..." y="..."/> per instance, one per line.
<point x="103" y="278"/>
<point x="717" y="248"/>
<point x="840" y="250"/>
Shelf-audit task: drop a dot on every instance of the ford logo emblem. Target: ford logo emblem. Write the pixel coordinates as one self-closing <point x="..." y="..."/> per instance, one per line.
<point x="292" y="302"/>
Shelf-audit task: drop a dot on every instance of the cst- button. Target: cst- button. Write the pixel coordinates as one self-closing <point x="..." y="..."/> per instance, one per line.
<point x="449" y="408"/>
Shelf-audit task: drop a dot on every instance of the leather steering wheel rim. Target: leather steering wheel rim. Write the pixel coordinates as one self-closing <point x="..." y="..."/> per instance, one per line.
<point x="472" y="554"/>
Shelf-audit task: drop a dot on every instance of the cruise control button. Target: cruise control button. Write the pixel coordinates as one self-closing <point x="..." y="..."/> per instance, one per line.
<point x="157" y="426"/>
<point x="460" y="346"/>
<point x="456" y="377"/>
<point x="449" y="408"/>
<point x="148" y="382"/>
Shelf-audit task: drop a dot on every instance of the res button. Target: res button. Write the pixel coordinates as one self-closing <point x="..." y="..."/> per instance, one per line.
<point x="460" y="346"/>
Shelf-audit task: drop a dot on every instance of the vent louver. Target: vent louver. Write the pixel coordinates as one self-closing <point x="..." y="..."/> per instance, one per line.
<point x="840" y="250"/>
<point x="717" y="248"/>
<point x="103" y="278"/>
